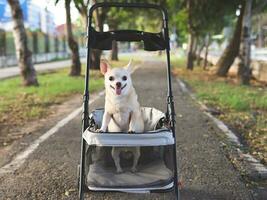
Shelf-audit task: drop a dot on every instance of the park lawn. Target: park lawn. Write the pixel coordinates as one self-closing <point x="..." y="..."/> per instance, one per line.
<point x="242" y="108"/>
<point x="20" y="104"/>
<point x="28" y="103"/>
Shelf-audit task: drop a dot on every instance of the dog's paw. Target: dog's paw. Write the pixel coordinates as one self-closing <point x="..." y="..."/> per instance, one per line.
<point x="131" y="131"/>
<point x="119" y="171"/>
<point x="99" y="131"/>
<point x="133" y="169"/>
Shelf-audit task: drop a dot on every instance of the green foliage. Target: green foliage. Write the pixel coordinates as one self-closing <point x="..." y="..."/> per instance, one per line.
<point x="219" y="92"/>
<point x="203" y="17"/>
<point x="210" y="16"/>
<point x="179" y="20"/>
<point x="231" y="96"/>
<point x="125" y="18"/>
<point x="243" y="108"/>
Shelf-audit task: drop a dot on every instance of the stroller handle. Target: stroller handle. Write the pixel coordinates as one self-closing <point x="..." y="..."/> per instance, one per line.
<point x="129" y="5"/>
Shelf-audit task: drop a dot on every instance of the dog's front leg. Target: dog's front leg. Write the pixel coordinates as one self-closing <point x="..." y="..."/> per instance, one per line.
<point x="136" y="123"/>
<point x="105" y="122"/>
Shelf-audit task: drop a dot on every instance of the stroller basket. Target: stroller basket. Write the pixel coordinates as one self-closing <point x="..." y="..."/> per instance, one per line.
<point x="155" y="166"/>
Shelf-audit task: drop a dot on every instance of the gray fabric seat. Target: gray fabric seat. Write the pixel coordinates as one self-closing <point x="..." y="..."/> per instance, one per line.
<point x="154" y="166"/>
<point x="154" y="174"/>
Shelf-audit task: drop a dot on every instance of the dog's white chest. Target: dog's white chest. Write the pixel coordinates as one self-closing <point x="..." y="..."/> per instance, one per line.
<point x="121" y="116"/>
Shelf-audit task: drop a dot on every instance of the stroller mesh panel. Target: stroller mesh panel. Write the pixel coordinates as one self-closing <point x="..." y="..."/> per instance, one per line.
<point x="155" y="165"/>
<point x="153" y="169"/>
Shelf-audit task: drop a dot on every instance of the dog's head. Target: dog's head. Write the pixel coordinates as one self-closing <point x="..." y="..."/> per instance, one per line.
<point x="117" y="80"/>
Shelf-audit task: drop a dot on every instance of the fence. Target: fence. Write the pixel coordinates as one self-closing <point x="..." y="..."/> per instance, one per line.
<point x="43" y="47"/>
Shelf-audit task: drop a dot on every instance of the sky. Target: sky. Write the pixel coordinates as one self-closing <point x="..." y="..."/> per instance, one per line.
<point x="58" y="10"/>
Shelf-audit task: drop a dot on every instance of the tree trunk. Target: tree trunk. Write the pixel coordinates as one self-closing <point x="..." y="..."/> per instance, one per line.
<point x="244" y="71"/>
<point x="190" y="55"/>
<point x="232" y="49"/>
<point x="207" y="44"/>
<point x="95" y="53"/>
<point x="95" y="58"/>
<point x="23" y="53"/>
<point x="260" y="33"/>
<point x="191" y="38"/>
<point x="64" y="44"/>
<point x="47" y="43"/>
<point x="195" y="46"/>
<point x="2" y="43"/>
<point x="84" y="18"/>
<point x="201" y="47"/>
<point x="114" y="51"/>
<point x="75" y="57"/>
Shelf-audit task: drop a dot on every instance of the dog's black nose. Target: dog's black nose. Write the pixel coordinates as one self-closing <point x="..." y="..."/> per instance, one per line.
<point x="118" y="84"/>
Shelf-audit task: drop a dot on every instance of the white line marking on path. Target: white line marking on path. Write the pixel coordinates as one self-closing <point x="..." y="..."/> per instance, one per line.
<point x="21" y="157"/>
<point x="231" y="136"/>
<point x="259" y="167"/>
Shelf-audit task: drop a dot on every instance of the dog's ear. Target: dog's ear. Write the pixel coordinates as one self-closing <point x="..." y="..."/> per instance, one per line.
<point x="104" y="66"/>
<point x="130" y="67"/>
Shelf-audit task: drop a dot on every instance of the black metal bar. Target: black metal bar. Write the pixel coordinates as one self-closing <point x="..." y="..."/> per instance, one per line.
<point x="170" y="104"/>
<point x="129" y="5"/>
<point x="85" y="117"/>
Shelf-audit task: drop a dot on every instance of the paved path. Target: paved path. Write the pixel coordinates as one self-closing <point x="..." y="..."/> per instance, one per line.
<point x="14" y="71"/>
<point x="50" y="172"/>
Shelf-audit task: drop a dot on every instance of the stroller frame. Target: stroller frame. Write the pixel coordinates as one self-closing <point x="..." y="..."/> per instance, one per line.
<point x="123" y="36"/>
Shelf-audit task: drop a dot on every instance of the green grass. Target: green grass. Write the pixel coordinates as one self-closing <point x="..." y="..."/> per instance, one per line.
<point x="239" y="98"/>
<point x="31" y="102"/>
<point x="243" y="108"/>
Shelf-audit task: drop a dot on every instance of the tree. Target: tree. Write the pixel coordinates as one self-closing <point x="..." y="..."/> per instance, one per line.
<point x="206" y="45"/>
<point x="231" y="51"/>
<point x="191" y="36"/>
<point x="233" y="48"/>
<point x="73" y="45"/>
<point x="23" y="53"/>
<point x="75" y="69"/>
<point x="115" y="22"/>
<point x="244" y="71"/>
<point x="199" y="51"/>
<point x="82" y="7"/>
<point x="203" y="17"/>
<point x="99" y="16"/>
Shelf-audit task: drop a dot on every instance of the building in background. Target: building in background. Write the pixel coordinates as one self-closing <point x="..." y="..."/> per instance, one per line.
<point x="35" y="17"/>
<point x="43" y="39"/>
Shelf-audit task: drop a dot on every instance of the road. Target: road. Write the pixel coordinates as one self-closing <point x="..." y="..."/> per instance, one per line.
<point x="50" y="171"/>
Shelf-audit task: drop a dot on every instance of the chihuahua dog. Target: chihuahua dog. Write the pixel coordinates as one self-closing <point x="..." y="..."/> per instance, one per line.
<point x="122" y="110"/>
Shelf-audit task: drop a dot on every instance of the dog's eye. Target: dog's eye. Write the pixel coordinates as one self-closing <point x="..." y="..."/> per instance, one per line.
<point x="111" y="78"/>
<point x="124" y="78"/>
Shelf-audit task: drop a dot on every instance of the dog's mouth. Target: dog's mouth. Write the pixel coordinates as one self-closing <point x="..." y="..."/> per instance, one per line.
<point x="118" y="89"/>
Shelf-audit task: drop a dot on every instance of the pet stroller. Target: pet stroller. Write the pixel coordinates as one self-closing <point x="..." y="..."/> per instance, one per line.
<point x="157" y="168"/>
